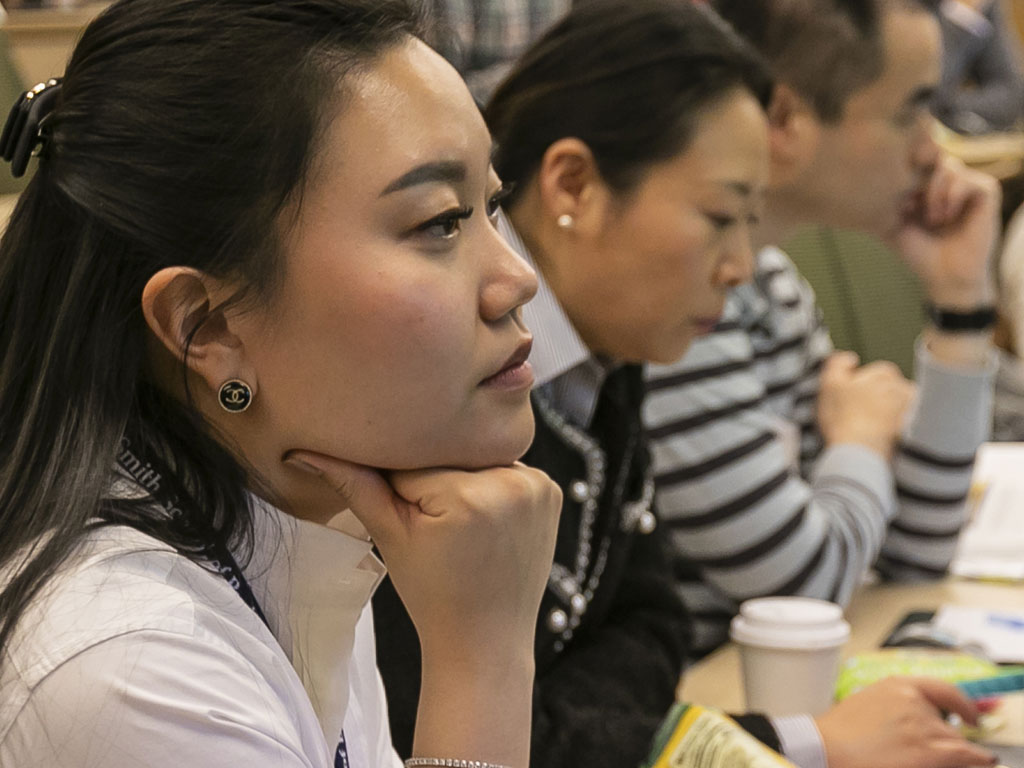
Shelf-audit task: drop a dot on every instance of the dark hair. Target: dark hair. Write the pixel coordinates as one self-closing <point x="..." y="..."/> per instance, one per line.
<point x="824" y="49"/>
<point x="629" y="78"/>
<point x="183" y="131"/>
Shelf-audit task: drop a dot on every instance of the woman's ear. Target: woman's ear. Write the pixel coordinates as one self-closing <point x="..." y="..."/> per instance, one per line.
<point x="182" y="313"/>
<point x="573" y="195"/>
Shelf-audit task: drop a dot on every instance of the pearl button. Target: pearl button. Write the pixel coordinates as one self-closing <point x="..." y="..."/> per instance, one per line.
<point x="578" y="603"/>
<point x="579" y="491"/>
<point x="558" y="621"/>
<point x="648" y="522"/>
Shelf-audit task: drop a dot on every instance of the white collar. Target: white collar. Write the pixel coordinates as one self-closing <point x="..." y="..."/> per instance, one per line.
<point x="313" y="582"/>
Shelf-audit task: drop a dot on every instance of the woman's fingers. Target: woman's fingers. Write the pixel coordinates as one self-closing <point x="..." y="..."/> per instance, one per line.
<point x="957" y="753"/>
<point x="361" y="489"/>
<point x="946" y="697"/>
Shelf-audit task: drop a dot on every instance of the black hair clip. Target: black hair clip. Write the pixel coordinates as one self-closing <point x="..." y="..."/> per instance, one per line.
<point x="22" y="136"/>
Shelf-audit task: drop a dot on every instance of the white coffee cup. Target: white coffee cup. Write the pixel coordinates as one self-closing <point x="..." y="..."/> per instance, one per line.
<point x="789" y="648"/>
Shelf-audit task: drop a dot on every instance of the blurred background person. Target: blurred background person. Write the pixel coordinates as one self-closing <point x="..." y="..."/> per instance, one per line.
<point x="483" y="38"/>
<point x="982" y="86"/>
<point x="782" y="468"/>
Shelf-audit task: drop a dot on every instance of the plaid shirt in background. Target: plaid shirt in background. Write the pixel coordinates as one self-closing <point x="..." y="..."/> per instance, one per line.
<point x="483" y="38"/>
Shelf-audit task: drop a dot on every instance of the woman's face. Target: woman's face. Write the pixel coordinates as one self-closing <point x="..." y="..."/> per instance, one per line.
<point x="400" y="304"/>
<point x="654" y="273"/>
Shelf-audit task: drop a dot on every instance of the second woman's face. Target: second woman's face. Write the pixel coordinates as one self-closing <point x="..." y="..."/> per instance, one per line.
<point x="657" y="272"/>
<point x="395" y="340"/>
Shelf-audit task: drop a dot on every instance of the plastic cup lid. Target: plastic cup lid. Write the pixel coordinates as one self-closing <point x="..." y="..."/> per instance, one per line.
<point x="797" y="623"/>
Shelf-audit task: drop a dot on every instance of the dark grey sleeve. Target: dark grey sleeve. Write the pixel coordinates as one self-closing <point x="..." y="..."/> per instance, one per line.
<point x="982" y="87"/>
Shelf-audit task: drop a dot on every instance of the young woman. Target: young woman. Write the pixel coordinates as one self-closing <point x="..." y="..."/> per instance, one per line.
<point x="257" y="260"/>
<point x="635" y="136"/>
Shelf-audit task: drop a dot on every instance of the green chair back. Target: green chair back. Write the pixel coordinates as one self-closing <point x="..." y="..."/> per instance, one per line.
<point x="872" y="302"/>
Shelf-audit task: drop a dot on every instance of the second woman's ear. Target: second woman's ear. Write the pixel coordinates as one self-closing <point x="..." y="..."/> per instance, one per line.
<point x="573" y="194"/>
<point x="186" y="318"/>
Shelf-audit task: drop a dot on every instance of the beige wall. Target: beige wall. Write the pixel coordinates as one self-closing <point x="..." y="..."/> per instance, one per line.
<point x="41" y="40"/>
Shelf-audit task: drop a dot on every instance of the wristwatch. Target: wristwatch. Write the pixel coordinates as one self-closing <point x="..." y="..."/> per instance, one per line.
<point x="979" y="319"/>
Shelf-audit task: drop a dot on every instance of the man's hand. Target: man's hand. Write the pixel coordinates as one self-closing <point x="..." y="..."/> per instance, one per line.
<point x="949" y="234"/>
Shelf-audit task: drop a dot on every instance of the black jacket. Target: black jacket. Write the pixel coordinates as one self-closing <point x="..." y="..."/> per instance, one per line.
<point x="610" y="650"/>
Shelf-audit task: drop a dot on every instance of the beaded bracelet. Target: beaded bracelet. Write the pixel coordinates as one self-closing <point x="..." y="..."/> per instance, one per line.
<point x="443" y="762"/>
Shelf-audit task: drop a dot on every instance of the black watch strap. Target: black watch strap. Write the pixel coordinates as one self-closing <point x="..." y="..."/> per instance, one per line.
<point x="979" y="319"/>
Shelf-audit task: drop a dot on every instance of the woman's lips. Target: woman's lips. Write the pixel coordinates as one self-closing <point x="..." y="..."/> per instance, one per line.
<point x="705" y="325"/>
<point x="515" y="373"/>
<point x="517" y="377"/>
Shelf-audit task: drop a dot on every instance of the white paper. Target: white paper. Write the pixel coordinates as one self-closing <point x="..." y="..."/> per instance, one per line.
<point x="999" y="634"/>
<point x="992" y="544"/>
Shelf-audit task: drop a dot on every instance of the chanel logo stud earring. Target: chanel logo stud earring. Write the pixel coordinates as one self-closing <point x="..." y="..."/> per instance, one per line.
<point x="565" y="221"/>
<point x="235" y="396"/>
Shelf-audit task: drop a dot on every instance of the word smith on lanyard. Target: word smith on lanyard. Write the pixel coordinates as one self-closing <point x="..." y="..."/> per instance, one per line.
<point x="152" y="476"/>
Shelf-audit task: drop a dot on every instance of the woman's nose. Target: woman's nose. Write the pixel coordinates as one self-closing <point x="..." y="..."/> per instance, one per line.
<point x="509" y="283"/>
<point x="737" y="264"/>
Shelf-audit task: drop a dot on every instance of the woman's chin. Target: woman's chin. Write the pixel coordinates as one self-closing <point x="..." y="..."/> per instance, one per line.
<point x="503" y="447"/>
<point x="472" y="445"/>
<point x="500" y="453"/>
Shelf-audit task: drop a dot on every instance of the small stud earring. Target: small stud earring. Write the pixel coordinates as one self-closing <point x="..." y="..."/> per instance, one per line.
<point x="235" y="396"/>
<point x="565" y="221"/>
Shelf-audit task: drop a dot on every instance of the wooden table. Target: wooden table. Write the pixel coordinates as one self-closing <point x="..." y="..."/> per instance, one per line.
<point x="715" y="681"/>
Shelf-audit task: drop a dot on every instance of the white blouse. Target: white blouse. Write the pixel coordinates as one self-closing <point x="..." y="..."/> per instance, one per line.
<point x="136" y="656"/>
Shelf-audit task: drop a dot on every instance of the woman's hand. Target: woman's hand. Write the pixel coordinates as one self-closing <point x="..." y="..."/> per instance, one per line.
<point x="898" y="723"/>
<point x="469" y="553"/>
<point x="865" y="405"/>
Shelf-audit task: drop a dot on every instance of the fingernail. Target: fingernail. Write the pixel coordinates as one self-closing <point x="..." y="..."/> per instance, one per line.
<point x="303" y="466"/>
<point x="987" y="705"/>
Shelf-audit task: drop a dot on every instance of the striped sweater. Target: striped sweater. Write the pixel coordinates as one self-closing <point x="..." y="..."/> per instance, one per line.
<point x="755" y="504"/>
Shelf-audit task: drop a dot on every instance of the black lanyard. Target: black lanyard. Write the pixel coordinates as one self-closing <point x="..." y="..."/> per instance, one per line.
<point x="151" y="475"/>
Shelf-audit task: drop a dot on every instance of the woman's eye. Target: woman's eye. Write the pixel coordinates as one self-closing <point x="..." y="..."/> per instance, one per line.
<point x="496" y="200"/>
<point x="909" y="116"/>
<point x="445" y="226"/>
<point x="721" y="221"/>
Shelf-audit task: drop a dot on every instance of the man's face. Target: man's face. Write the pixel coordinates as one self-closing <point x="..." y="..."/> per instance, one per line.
<point x="871" y="165"/>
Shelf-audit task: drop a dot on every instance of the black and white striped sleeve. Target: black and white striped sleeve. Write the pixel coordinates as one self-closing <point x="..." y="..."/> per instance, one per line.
<point x="950" y="420"/>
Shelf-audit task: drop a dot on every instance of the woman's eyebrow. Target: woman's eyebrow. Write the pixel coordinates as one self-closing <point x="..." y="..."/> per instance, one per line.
<point x="443" y="171"/>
